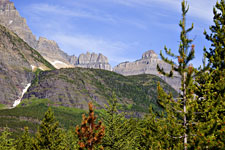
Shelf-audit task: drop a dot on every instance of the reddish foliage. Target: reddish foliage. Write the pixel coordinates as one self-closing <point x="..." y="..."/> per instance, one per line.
<point x="90" y="134"/>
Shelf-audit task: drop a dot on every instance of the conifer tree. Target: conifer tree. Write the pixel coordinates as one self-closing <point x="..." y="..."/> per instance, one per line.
<point x="179" y="112"/>
<point x="49" y="136"/>
<point x="90" y="134"/>
<point x="24" y="142"/>
<point x="6" y="143"/>
<point x="120" y="132"/>
<point x="156" y="131"/>
<point x="71" y="140"/>
<point x="211" y="88"/>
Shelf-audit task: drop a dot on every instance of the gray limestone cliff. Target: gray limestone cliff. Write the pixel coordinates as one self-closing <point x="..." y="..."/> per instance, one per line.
<point x="10" y="18"/>
<point x="147" y="65"/>
<point x="50" y="50"/>
<point x="93" y="60"/>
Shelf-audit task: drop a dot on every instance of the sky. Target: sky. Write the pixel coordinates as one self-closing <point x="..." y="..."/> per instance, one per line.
<point x="122" y="30"/>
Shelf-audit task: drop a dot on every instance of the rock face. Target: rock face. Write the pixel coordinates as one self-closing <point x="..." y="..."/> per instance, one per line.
<point x="147" y="65"/>
<point x="75" y="87"/>
<point x="10" y="18"/>
<point x="93" y="60"/>
<point x="50" y="51"/>
<point x="17" y="60"/>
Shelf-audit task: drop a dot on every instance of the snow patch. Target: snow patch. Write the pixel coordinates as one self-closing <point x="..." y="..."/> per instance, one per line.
<point x="41" y="68"/>
<point x="10" y="22"/>
<point x="33" y="67"/>
<point x="58" y="62"/>
<point x="17" y="102"/>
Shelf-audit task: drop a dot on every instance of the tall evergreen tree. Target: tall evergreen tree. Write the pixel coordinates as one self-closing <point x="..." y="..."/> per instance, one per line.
<point x="179" y="112"/>
<point x="211" y="88"/>
<point x="6" y="143"/>
<point x="120" y="132"/>
<point x="24" y="142"/>
<point x="49" y="136"/>
<point x="72" y="139"/>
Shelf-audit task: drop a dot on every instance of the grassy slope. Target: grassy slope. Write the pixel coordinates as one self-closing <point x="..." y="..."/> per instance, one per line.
<point x="32" y="114"/>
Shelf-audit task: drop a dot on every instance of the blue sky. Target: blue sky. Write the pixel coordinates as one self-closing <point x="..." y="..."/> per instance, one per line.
<point x="120" y="29"/>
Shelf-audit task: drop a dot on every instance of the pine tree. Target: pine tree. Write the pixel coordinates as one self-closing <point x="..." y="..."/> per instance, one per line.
<point x="180" y="112"/>
<point x="90" y="134"/>
<point x="120" y="132"/>
<point x="71" y="140"/>
<point x="6" y="143"/>
<point x="211" y="88"/>
<point x="49" y="136"/>
<point x="24" y="142"/>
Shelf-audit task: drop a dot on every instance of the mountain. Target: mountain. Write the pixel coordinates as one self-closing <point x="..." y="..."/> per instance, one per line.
<point x="17" y="61"/>
<point x="49" y="49"/>
<point x="93" y="60"/>
<point x="68" y="91"/>
<point x="147" y="65"/>
<point x="75" y="87"/>
<point x="10" y="18"/>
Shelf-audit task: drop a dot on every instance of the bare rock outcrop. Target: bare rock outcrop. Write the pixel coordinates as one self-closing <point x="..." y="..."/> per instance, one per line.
<point x="147" y="65"/>
<point x="10" y="18"/>
<point x="93" y="60"/>
<point x="50" y="50"/>
<point x="17" y="61"/>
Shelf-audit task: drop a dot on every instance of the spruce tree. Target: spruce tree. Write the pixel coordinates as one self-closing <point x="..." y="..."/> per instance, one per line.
<point x="6" y="143"/>
<point x="71" y="139"/>
<point x="49" y="136"/>
<point x="89" y="133"/>
<point x="24" y="142"/>
<point x="211" y="88"/>
<point x="179" y="112"/>
<point x="120" y="132"/>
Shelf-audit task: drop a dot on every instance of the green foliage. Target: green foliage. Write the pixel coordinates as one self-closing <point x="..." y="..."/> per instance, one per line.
<point x="158" y="132"/>
<point x="71" y="139"/>
<point x="210" y="87"/>
<point x="120" y="133"/>
<point x="6" y="143"/>
<point x="30" y="113"/>
<point x="49" y="136"/>
<point x="2" y="106"/>
<point x="180" y="112"/>
<point x="24" y="142"/>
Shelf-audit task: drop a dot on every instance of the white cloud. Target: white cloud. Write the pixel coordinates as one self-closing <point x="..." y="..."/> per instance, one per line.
<point x="77" y="44"/>
<point x="47" y="9"/>
<point x="203" y="9"/>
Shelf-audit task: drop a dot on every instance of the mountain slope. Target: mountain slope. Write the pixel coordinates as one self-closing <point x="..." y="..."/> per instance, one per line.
<point x="17" y="59"/>
<point x="75" y="87"/>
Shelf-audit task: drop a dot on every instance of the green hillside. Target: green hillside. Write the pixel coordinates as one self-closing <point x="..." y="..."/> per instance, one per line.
<point x="68" y="92"/>
<point x="75" y="87"/>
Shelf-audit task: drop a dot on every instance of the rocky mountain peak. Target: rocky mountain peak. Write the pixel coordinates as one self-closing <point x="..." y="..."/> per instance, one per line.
<point x="150" y="55"/>
<point x="147" y="65"/>
<point x="6" y="5"/>
<point x="50" y="50"/>
<point x="93" y="60"/>
<point x="10" y="18"/>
